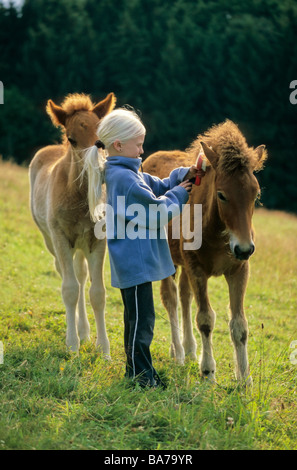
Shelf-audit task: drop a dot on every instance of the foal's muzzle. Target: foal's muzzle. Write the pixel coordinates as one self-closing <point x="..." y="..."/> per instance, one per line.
<point x="243" y="253"/>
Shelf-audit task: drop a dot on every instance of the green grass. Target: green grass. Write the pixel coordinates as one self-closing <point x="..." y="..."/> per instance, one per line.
<point x="51" y="399"/>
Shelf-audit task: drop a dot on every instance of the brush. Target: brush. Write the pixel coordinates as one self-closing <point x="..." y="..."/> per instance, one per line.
<point x="201" y="165"/>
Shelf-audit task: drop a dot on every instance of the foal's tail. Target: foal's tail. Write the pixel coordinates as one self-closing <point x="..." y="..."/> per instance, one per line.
<point x="94" y="167"/>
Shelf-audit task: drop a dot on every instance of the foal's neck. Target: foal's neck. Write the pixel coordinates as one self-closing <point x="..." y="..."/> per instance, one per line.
<point x="75" y="166"/>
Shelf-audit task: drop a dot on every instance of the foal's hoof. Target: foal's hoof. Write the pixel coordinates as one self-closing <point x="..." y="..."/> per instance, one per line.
<point x="84" y="339"/>
<point x="107" y="357"/>
<point x="177" y="354"/>
<point x="192" y="356"/>
<point x="73" y="346"/>
<point x="209" y="375"/>
<point x="104" y="350"/>
<point x="247" y="383"/>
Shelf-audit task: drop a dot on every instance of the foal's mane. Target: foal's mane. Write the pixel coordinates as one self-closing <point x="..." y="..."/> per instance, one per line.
<point x="72" y="103"/>
<point x="230" y="145"/>
<point x="77" y="102"/>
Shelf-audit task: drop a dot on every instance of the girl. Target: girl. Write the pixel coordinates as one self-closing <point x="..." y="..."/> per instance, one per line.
<point x="136" y="259"/>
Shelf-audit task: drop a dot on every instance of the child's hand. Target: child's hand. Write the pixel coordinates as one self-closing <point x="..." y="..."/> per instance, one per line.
<point x="187" y="185"/>
<point x="193" y="172"/>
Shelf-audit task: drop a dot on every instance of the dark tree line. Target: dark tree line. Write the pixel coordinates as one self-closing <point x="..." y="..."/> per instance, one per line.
<point x="185" y="64"/>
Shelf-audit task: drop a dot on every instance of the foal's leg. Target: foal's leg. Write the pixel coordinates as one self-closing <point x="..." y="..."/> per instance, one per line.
<point x="81" y="271"/>
<point x="186" y="297"/>
<point x="205" y="322"/>
<point x="70" y="286"/>
<point x="170" y="302"/>
<point x="238" y="323"/>
<point x="97" y="293"/>
<point x="49" y="244"/>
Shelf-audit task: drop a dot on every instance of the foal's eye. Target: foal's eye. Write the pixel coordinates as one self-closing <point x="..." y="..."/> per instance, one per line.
<point x="221" y="196"/>
<point x="72" y="141"/>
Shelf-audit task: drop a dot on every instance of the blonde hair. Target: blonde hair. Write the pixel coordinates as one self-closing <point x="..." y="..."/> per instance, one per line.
<point x="121" y="124"/>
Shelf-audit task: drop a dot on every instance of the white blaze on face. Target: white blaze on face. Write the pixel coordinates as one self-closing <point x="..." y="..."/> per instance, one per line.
<point x="241" y="250"/>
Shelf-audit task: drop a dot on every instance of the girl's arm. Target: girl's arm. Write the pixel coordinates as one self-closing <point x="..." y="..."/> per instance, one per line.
<point x="160" y="186"/>
<point x="154" y="211"/>
<point x="178" y="175"/>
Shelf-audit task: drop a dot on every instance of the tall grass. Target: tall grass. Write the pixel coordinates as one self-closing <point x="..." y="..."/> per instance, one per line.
<point x="52" y="399"/>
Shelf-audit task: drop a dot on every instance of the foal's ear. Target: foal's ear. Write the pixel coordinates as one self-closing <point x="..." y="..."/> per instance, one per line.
<point x="261" y="156"/>
<point x="105" y="106"/>
<point x="210" y="154"/>
<point x="56" y="113"/>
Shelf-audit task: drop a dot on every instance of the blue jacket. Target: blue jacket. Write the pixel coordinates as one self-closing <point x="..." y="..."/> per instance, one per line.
<point x="137" y="244"/>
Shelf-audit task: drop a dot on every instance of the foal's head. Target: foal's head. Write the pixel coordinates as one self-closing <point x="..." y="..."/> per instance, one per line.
<point x="79" y="118"/>
<point x="236" y="187"/>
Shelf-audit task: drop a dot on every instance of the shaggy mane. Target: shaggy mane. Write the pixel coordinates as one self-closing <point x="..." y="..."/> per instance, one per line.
<point x="77" y="102"/>
<point x="229" y="143"/>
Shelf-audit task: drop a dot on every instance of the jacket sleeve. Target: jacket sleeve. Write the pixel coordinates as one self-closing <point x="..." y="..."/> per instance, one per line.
<point x="154" y="212"/>
<point x="159" y="186"/>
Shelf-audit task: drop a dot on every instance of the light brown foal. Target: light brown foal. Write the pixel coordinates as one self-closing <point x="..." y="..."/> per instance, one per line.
<point x="59" y="207"/>
<point x="227" y="194"/>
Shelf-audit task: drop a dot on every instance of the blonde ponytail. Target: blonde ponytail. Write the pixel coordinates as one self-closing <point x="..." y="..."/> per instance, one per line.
<point x="94" y="167"/>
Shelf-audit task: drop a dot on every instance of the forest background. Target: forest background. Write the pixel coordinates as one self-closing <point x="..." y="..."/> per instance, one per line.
<point x="184" y="64"/>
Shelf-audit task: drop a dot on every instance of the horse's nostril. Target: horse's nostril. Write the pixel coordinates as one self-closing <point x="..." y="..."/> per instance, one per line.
<point x="243" y="254"/>
<point x="238" y="252"/>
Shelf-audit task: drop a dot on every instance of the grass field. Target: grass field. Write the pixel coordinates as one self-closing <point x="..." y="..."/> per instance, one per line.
<point x="51" y="399"/>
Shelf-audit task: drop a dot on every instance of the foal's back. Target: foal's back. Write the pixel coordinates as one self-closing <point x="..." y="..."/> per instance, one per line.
<point x="163" y="162"/>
